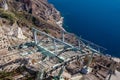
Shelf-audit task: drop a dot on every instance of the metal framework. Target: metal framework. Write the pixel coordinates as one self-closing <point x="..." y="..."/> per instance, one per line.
<point x="52" y="47"/>
<point x="56" y="51"/>
<point x="81" y="42"/>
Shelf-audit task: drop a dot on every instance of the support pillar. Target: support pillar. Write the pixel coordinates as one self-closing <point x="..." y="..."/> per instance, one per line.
<point x="111" y="70"/>
<point x="59" y="74"/>
<point x="86" y="69"/>
<point x="55" y="46"/>
<point x="63" y="36"/>
<point x="90" y="60"/>
<point x="99" y="50"/>
<point x="110" y="75"/>
<point x="61" y="71"/>
<point x="79" y="45"/>
<point x="40" y="75"/>
<point x="35" y="36"/>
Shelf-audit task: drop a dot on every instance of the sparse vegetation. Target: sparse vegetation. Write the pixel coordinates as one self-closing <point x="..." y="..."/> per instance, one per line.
<point x="6" y="75"/>
<point x="46" y="30"/>
<point x="7" y="15"/>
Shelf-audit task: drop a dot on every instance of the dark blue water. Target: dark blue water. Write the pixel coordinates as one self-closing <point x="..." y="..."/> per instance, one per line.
<point x="96" y="20"/>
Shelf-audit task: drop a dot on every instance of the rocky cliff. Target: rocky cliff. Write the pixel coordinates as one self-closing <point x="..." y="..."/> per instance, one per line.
<point x="32" y="13"/>
<point x="39" y="8"/>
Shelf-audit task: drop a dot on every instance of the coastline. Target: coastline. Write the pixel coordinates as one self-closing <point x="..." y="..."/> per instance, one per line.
<point x="60" y="24"/>
<point x="94" y="28"/>
<point x="116" y="59"/>
<point x="47" y="52"/>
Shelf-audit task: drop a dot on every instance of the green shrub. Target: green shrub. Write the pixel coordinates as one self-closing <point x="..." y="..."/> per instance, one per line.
<point x="46" y="30"/>
<point x="7" y="15"/>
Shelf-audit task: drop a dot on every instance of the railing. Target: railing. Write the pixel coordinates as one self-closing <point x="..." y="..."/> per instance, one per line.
<point x="82" y="43"/>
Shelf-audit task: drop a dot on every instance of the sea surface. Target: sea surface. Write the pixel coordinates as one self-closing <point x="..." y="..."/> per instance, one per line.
<point x="95" y="20"/>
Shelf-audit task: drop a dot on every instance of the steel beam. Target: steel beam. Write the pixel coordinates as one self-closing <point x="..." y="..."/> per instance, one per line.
<point x="35" y="36"/>
<point x="90" y="60"/>
<point x="55" y="46"/>
<point x="79" y="45"/>
<point x="63" y="36"/>
<point x="58" y="40"/>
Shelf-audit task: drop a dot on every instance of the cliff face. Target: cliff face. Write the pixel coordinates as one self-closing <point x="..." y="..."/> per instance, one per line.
<point x="39" y="8"/>
<point x="32" y="13"/>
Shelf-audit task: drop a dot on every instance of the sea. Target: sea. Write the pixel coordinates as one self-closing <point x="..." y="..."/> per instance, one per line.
<point x="95" y="20"/>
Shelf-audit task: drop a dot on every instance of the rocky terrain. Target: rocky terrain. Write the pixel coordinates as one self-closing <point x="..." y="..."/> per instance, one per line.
<point x="39" y="8"/>
<point x="17" y="18"/>
<point x="32" y="13"/>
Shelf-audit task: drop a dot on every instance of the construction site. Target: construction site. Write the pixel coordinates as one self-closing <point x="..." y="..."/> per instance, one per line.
<point x="30" y="53"/>
<point x="44" y="57"/>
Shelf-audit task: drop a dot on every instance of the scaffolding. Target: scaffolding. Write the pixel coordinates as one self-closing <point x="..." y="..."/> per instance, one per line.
<point x="56" y="53"/>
